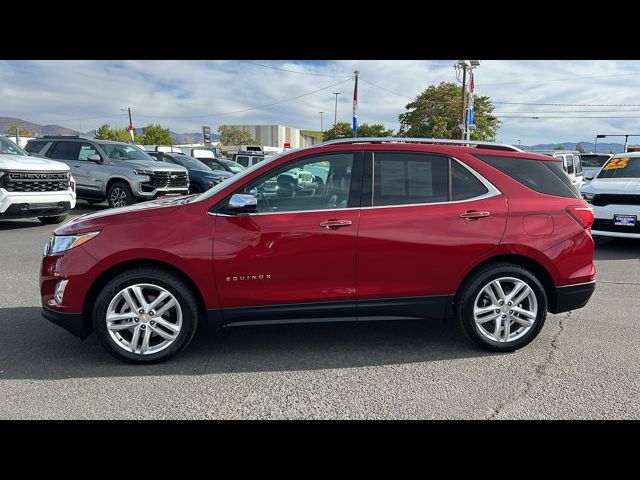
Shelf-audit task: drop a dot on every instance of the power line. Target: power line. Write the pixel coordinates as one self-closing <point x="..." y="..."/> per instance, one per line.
<point x="294" y="71"/>
<point x="386" y="89"/>
<point x="535" y="117"/>
<point x="568" y="79"/>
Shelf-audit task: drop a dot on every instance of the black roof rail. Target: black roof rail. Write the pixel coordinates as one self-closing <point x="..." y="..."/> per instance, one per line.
<point x="61" y="136"/>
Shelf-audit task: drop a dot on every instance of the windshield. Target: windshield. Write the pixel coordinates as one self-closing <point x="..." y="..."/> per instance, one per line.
<point x="621" y="167"/>
<point x="124" y="152"/>
<point x="9" y="148"/>
<point x="239" y="176"/>
<point x="235" y="167"/>
<point x="191" y="163"/>
<point x="594" y="160"/>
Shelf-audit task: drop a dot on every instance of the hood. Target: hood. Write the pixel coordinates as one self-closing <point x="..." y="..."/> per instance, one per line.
<point x="96" y="220"/>
<point x="22" y="162"/>
<point x="153" y="165"/>
<point x="223" y="173"/>
<point x="614" y="185"/>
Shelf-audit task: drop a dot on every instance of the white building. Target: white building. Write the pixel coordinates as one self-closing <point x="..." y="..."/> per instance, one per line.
<point x="273" y="135"/>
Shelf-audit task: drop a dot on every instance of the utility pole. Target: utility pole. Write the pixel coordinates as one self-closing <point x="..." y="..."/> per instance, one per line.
<point x="335" y="115"/>
<point x="463" y="119"/>
<point x="321" y="126"/>
<point x="131" y="126"/>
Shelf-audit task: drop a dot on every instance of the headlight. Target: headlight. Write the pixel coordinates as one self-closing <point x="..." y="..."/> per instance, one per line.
<point x="142" y="172"/>
<point x="62" y="243"/>
<point x="588" y="196"/>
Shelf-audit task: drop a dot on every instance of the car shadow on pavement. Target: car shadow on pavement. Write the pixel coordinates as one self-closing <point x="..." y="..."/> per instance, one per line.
<point x="617" y="248"/>
<point x="32" y="348"/>
<point x="20" y="223"/>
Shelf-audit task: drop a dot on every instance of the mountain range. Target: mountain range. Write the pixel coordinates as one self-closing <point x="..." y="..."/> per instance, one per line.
<point x="42" y="130"/>
<point x="185" y="138"/>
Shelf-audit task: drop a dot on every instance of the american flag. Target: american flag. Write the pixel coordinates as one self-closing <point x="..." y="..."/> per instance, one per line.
<point x="471" y="109"/>
<point x="355" y="109"/>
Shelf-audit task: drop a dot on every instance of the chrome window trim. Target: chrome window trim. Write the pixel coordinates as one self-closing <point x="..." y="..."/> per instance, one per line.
<point x="493" y="191"/>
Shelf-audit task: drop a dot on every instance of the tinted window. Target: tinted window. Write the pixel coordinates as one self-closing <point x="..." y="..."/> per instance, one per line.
<point x="34" y="147"/>
<point x="123" y="152"/>
<point x="244" y="161"/>
<point x="405" y="179"/>
<point x="594" y="160"/>
<point x="64" y="151"/>
<point x="316" y="183"/>
<point x="542" y="176"/>
<point x="464" y="184"/>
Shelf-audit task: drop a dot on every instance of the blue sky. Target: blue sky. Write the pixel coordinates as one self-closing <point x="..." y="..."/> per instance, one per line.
<point x="184" y="95"/>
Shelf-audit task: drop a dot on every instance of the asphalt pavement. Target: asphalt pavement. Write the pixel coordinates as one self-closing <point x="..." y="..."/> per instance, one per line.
<point x="583" y="365"/>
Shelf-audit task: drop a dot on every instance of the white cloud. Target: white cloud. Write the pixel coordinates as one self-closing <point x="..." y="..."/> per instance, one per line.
<point x="187" y="94"/>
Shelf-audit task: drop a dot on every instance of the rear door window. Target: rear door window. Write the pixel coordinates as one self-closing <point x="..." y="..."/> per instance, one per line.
<point x="64" y="151"/>
<point x="464" y="184"/>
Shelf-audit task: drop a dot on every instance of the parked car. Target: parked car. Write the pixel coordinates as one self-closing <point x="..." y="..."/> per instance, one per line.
<point x="161" y="148"/>
<point x="571" y="163"/>
<point x="222" y="164"/>
<point x="119" y="172"/>
<point x="248" y="159"/>
<point x="201" y="177"/>
<point x="615" y="197"/>
<point x="592" y="163"/>
<point x="33" y="187"/>
<point x="488" y="235"/>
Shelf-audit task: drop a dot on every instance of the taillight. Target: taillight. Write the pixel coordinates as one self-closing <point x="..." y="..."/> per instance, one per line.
<point x="583" y="215"/>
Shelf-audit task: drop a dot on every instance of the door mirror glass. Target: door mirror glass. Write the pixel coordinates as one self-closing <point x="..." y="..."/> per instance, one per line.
<point x="95" y="158"/>
<point x="240" y="204"/>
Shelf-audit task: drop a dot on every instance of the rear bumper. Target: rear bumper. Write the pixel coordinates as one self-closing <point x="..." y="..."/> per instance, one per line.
<point x="71" y="322"/>
<point x="572" y="297"/>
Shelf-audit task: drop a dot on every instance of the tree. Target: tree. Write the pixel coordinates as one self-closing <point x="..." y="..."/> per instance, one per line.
<point x="579" y="148"/>
<point x="234" y="136"/>
<point x="559" y="147"/>
<point x="345" y="130"/>
<point x="435" y="113"/>
<point x="156" y="135"/>
<point x="24" y="132"/>
<point x="105" y="132"/>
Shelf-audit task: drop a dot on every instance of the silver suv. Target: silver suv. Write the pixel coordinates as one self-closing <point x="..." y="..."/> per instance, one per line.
<point x="119" y="172"/>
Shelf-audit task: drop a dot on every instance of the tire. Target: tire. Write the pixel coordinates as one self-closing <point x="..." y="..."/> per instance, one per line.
<point x="119" y="195"/>
<point x="52" y="220"/>
<point x="194" y="188"/>
<point x="183" y="317"/>
<point x="483" y="332"/>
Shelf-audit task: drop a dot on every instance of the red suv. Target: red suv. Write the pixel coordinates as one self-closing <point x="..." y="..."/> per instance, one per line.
<point x="353" y="229"/>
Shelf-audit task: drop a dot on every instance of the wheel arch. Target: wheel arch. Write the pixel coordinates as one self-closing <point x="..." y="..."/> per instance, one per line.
<point x="121" y="267"/>
<point x="530" y="264"/>
<point x="113" y="180"/>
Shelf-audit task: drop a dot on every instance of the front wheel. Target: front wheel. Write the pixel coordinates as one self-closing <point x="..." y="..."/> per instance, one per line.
<point x="502" y="307"/>
<point x="119" y="195"/>
<point x="145" y="315"/>
<point x="52" y="220"/>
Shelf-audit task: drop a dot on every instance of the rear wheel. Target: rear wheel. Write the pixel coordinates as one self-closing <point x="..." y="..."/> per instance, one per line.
<point x="502" y="307"/>
<point x="145" y="315"/>
<point x="52" y="220"/>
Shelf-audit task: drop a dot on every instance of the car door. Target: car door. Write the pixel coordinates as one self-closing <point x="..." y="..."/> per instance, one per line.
<point x="296" y="257"/>
<point x="69" y="152"/>
<point x="426" y="218"/>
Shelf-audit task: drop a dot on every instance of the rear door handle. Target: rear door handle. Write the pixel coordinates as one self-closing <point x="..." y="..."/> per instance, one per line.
<point x="335" y="223"/>
<point x="473" y="214"/>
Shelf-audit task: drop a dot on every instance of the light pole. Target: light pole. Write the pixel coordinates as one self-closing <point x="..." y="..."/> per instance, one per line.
<point x="321" y="125"/>
<point x="463" y="64"/>
<point x="130" y="123"/>
<point x="335" y="115"/>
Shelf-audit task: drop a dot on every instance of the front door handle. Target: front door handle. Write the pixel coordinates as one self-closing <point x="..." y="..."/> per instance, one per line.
<point x="335" y="223"/>
<point x="473" y="214"/>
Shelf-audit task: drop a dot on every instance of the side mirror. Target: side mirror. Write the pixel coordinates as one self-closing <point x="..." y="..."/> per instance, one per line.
<point x="241" y="204"/>
<point x="95" y="158"/>
<point x="589" y="176"/>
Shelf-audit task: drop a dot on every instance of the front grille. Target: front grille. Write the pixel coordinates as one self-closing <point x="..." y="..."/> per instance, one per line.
<point x="168" y="180"/>
<point x="608" y="226"/>
<point x="603" y="199"/>
<point x="36" y="181"/>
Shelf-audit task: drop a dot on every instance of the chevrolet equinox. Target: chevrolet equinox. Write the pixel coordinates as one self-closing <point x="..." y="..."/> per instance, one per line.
<point x="351" y="229"/>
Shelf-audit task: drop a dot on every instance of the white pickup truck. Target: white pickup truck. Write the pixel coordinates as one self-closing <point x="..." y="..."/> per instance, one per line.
<point x="32" y="186"/>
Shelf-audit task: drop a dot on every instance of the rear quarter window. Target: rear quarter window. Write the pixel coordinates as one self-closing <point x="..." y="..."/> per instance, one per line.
<point x="542" y="176"/>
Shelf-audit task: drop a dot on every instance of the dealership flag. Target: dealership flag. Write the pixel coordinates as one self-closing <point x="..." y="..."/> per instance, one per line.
<point x="355" y="107"/>
<point x="471" y="109"/>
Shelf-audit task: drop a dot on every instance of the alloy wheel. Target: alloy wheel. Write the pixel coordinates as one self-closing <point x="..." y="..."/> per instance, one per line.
<point x="118" y="197"/>
<point x="144" y="319"/>
<point x="505" y="309"/>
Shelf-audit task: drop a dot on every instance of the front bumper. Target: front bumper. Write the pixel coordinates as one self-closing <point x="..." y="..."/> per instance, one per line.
<point x="159" y="192"/>
<point x="32" y="204"/>
<point x="71" y="322"/>
<point x="572" y="297"/>
<point x="603" y="225"/>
